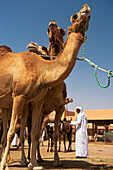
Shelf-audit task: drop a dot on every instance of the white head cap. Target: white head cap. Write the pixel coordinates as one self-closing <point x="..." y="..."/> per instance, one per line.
<point x="80" y="108"/>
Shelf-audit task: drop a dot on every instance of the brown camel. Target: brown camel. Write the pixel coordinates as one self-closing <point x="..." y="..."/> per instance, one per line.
<point x="27" y="77"/>
<point x="63" y="127"/>
<point x="56" y="42"/>
<point x="50" y="118"/>
<point x="56" y="39"/>
<point x="56" y="96"/>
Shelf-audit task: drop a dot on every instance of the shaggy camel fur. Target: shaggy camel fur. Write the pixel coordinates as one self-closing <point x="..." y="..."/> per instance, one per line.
<point x="27" y="77"/>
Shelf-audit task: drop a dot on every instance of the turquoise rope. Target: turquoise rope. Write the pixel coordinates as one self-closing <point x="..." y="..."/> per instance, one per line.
<point x="109" y="72"/>
<point x="92" y="64"/>
<point x="96" y="67"/>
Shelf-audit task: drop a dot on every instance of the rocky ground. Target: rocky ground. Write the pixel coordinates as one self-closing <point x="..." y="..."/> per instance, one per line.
<point x="100" y="157"/>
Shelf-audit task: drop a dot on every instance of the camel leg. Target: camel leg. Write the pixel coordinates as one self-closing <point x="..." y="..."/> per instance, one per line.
<point x="29" y="141"/>
<point x="59" y="142"/>
<point x="51" y="144"/>
<point x="45" y="122"/>
<point x="17" y="109"/>
<point x="38" y="152"/>
<point x="64" y="136"/>
<point x="4" y="135"/>
<point x="23" y="120"/>
<point x="35" y="132"/>
<point x="38" y="143"/>
<point x="69" y="140"/>
<point x="59" y="113"/>
<point x="48" y="144"/>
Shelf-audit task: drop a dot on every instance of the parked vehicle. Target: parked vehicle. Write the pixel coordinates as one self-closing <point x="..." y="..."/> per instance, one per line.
<point x="109" y="137"/>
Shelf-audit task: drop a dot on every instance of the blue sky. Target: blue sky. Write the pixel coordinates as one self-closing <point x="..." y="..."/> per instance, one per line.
<point x="24" y="21"/>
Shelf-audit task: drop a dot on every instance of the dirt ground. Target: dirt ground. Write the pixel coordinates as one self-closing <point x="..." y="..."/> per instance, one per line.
<point x="100" y="157"/>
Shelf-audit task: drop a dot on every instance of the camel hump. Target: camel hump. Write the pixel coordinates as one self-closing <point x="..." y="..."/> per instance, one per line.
<point x="5" y="49"/>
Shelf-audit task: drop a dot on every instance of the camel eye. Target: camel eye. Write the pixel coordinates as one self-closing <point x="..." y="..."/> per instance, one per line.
<point x="75" y="16"/>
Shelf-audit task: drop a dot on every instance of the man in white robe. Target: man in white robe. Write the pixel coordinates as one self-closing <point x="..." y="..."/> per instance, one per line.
<point x="81" y="133"/>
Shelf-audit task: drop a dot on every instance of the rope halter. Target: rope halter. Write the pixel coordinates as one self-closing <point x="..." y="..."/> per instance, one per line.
<point x="91" y="63"/>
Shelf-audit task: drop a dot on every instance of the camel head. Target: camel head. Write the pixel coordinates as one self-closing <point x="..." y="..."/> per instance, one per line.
<point x="52" y="26"/>
<point x="34" y="47"/>
<point x="55" y="37"/>
<point x="80" y="20"/>
<point x="68" y="100"/>
<point x="54" y="31"/>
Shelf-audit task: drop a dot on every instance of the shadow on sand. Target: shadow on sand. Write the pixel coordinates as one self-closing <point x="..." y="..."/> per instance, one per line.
<point x="67" y="164"/>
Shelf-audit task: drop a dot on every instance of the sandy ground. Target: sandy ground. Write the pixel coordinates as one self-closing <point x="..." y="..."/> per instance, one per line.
<point x="100" y="157"/>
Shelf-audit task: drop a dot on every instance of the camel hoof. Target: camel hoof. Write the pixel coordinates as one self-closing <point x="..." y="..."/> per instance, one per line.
<point x="4" y="168"/>
<point x="38" y="168"/>
<point x="40" y="160"/>
<point x="24" y="164"/>
<point x="57" y="164"/>
<point x="7" y="168"/>
<point x="31" y="167"/>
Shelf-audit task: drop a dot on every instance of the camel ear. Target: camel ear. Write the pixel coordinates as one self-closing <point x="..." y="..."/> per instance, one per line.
<point x="62" y="31"/>
<point x="73" y="18"/>
<point x="48" y="31"/>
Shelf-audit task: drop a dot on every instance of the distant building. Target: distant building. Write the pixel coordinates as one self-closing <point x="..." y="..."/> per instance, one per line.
<point x="99" y="121"/>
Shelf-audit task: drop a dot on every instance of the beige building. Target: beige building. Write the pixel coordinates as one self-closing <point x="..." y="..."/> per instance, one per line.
<point x="99" y="121"/>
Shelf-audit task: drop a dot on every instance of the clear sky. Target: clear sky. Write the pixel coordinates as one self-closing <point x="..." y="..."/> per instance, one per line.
<point x="24" y="21"/>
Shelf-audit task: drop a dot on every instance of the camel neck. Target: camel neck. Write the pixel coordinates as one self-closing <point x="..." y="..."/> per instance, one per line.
<point x="59" y="69"/>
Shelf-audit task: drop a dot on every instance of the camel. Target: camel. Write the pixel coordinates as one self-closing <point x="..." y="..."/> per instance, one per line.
<point x="40" y="50"/>
<point x="27" y="77"/>
<point x="50" y="132"/>
<point x="65" y="130"/>
<point x="57" y="100"/>
<point x="50" y="118"/>
<point x="55" y="34"/>
<point x="56" y="38"/>
<point x="56" y="42"/>
<point x="63" y="127"/>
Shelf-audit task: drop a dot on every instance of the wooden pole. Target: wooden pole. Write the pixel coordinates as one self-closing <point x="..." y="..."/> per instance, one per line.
<point x="105" y="134"/>
<point x="93" y="131"/>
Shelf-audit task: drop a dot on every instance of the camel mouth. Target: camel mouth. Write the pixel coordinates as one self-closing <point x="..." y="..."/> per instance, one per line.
<point x="87" y="13"/>
<point x="30" y="47"/>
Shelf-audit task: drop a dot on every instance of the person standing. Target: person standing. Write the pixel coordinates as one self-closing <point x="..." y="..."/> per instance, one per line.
<point x="81" y="133"/>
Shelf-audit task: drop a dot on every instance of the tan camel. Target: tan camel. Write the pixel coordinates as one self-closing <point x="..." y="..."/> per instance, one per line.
<point x="56" y="39"/>
<point x="27" y="77"/>
<point x="50" y="118"/>
<point x="56" y="101"/>
<point x="56" y="42"/>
